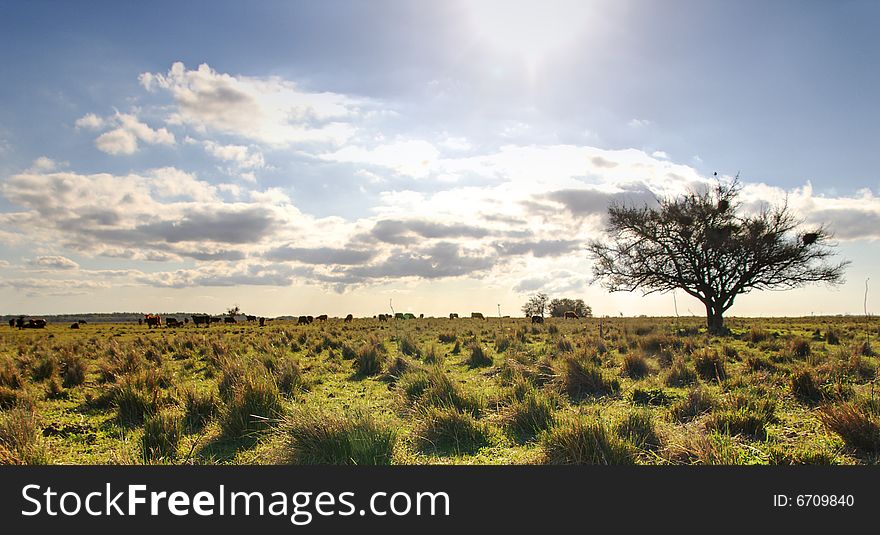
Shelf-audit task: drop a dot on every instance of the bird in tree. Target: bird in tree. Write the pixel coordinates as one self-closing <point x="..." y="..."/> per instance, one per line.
<point x="705" y="244"/>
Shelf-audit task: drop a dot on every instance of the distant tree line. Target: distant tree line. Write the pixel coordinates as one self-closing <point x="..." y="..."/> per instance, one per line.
<point x="540" y="304"/>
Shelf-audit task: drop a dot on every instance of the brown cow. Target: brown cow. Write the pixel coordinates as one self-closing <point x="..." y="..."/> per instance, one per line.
<point x="152" y="320"/>
<point x="571" y="315"/>
<point x="348" y="318"/>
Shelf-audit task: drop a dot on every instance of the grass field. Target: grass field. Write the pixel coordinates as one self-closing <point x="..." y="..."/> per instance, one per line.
<point x="440" y="391"/>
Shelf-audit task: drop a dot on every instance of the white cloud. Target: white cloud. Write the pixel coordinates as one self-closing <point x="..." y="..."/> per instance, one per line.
<point x="243" y="157"/>
<point x="129" y="130"/>
<point x="413" y="158"/>
<point x="267" y="110"/>
<point x="639" y="123"/>
<point x="90" y="121"/>
<point x="54" y="262"/>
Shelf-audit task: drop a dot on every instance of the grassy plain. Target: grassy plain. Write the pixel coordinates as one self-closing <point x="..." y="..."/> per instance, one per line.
<point x="440" y="391"/>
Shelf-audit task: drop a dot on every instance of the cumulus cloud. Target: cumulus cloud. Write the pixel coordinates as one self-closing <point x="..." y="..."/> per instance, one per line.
<point x="128" y="132"/>
<point x="242" y="156"/>
<point x="266" y="110"/>
<point x="90" y="121"/>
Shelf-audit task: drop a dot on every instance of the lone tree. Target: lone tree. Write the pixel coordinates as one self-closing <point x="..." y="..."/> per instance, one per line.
<point x="703" y="244"/>
<point x="558" y="307"/>
<point x="536" y="305"/>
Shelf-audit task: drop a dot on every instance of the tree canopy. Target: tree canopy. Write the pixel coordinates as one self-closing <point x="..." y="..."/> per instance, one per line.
<point x="705" y="244"/>
<point x="536" y="305"/>
<point x="558" y="307"/>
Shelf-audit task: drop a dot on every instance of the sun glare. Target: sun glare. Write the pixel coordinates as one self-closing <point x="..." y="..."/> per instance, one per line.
<point x="529" y="29"/>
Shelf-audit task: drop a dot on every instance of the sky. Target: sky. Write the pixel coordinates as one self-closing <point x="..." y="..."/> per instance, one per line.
<point x="349" y="157"/>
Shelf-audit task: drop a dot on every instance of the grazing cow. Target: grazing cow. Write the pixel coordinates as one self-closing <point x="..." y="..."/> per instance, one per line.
<point x="74" y="325"/>
<point x="311" y="318"/>
<point x="251" y="318"/>
<point x="303" y="320"/>
<point x="322" y="317"/>
<point x="229" y="319"/>
<point x="399" y="316"/>
<point x="537" y="319"/>
<point x="81" y="322"/>
<point x="172" y="322"/>
<point x="571" y="315"/>
<point x="348" y="318"/>
<point x="33" y="323"/>
<point x="262" y="321"/>
<point x="201" y="319"/>
<point x="152" y="320"/>
<point x="453" y="316"/>
<point x="409" y="316"/>
<point x="477" y="315"/>
<point x="12" y="322"/>
<point x="383" y="317"/>
<point x="421" y="316"/>
<point x="216" y="319"/>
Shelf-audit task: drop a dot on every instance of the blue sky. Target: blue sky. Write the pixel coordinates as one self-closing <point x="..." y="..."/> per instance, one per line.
<point x="332" y="156"/>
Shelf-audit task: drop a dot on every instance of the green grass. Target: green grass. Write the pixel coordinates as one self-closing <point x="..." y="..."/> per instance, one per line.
<point x="775" y="391"/>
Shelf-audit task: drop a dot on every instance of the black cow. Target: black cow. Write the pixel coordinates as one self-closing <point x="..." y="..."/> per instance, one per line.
<point x="74" y="325"/>
<point x="348" y="318"/>
<point x="201" y="319"/>
<point x="453" y="315"/>
<point x="303" y="320"/>
<point x="216" y="319"/>
<point x="229" y="319"/>
<point x="262" y="321"/>
<point x="251" y="318"/>
<point x="537" y="319"/>
<point x="12" y="322"/>
<point x="571" y="315"/>
<point x="322" y="317"/>
<point x="477" y="315"/>
<point x="172" y="322"/>
<point x="383" y="317"/>
<point x="32" y="323"/>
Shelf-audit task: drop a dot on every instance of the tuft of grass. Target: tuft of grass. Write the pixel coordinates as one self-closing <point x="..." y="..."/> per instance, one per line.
<point x="649" y="396"/>
<point x="832" y="337"/>
<point x="757" y="334"/>
<point x="738" y="422"/>
<point x="804" y="386"/>
<point x="433" y="387"/>
<point x="45" y="367"/>
<point x="581" y="379"/>
<point x="858" y="426"/>
<point x="447" y="430"/>
<point x="479" y="356"/>
<point x="21" y="441"/>
<point x="637" y="427"/>
<point x="447" y="337"/>
<point x="698" y="401"/>
<point x="680" y="374"/>
<point x="800" y="348"/>
<point x="532" y="412"/>
<point x="408" y="346"/>
<point x="162" y="432"/>
<point x="254" y="404"/>
<point x="289" y="376"/>
<point x="370" y="358"/>
<point x="74" y="369"/>
<point x="316" y="436"/>
<point x="635" y="365"/>
<point x="199" y="407"/>
<point x="709" y="365"/>
<point x="134" y="401"/>
<point x="782" y="455"/>
<point x="584" y="440"/>
<point x="10" y="376"/>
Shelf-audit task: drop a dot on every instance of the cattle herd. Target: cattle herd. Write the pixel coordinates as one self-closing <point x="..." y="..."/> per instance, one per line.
<point x="205" y="320"/>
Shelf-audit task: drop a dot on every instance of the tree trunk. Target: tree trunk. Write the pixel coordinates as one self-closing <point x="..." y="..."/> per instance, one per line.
<point x="715" y="319"/>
